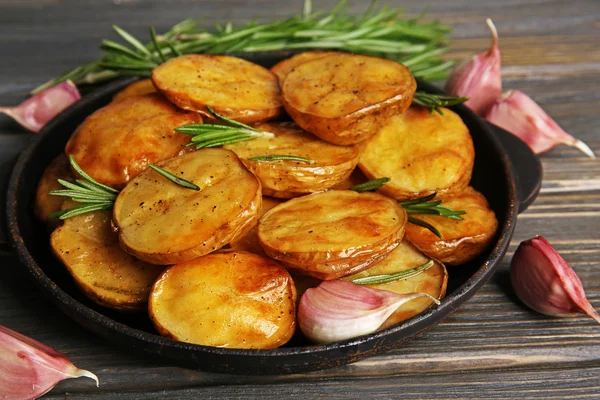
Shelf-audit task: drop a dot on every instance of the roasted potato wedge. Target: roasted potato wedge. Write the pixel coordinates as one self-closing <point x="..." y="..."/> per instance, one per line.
<point x="284" y="67"/>
<point x="422" y="153"/>
<point x="109" y="276"/>
<point x="45" y="203"/>
<point x="432" y="281"/>
<point x="344" y="98"/>
<point x="236" y="299"/>
<point x="461" y="240"/>
<point x="138" y="88"/>
<point x="332" y="234"/>
<point x="163" y="223"/>
<point x="249" y="242"/>
<point x="286" y="178"/>
<point x="117" y="142"/>
<point x="234" y="88"/>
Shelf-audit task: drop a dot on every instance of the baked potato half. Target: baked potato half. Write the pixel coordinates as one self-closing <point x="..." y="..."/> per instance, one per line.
<point x="116" y="143"/>
<point x="138" y="88"/>
<point x="287" y="178"/>
<point x="422" y="153"/>
<point x="249" y="242"/>
<point x="461" y="240"/>
<point x="90" y="251"/>
<point x="163" y="223"/>
<point x="284" y="67"/>
<point x="234" y="88"/>
<point x="234" y="299"/>
<point x="345" y="98"/>
<point x="432" y="281"/>
<point x="45" y="203"/>
<point x="331" y="234"/>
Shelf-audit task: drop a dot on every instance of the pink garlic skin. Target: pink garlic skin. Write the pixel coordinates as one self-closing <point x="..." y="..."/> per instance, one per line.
<point x="29" y="369"/>
<point x="480" y="78"/>
<point x="520" y="115"/>
<point x="38" y="110"/>
<point x="544" y="281"/>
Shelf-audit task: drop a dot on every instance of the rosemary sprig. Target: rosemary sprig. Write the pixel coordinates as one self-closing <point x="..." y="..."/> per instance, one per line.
<point x="385" y="278"/>
<point x="94" y="195"/>
<point x="383" y="32"/>
<point x="174" y="178"/>
<point x="370" y="185"/>
<point x="213" y="135"/>
<point x="278" y="157"/>
<point x="434" y="101"/>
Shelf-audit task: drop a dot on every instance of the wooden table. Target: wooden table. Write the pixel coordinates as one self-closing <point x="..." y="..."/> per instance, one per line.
<point x="491" y="348"/>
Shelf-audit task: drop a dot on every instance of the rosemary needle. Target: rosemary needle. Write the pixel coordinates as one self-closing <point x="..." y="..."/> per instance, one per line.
<point x="385" y="278"/>
<point x="277" y="157"/>
<point x="370" y="185"/>
<point x="174" y="178"/>
<point x="434" y="101"/>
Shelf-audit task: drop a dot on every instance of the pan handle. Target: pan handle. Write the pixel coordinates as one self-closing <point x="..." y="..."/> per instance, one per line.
<point x="527" y="167"/>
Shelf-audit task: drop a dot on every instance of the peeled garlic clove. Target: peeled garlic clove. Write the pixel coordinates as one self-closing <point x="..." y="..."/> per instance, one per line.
<point x="338" y="310"/>
<point x="29" y="369"/>
<point x="480" y="78"/>
<point x="38" y="110"/>
<point x="544" y="281"/>
<point x="520" y="115"/>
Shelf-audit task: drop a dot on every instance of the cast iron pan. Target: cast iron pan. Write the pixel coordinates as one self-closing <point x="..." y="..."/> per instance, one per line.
<point x="506" y="171"/>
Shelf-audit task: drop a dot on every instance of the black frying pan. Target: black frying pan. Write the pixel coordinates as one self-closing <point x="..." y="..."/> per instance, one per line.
<point x="506" y="172"/>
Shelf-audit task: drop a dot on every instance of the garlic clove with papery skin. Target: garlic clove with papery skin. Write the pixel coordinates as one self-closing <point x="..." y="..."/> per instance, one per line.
<point x="338" y="310"/>
<point x="544" y="281"/>
<point x="480" y="78"/>
<point x="38" y="110"/>
<point x="518" y="114"/>
<point x="29" y="369"/>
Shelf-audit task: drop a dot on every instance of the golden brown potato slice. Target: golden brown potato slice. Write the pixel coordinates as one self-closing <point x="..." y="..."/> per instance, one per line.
<point x="422" y="153"/>
<point x="234" y="88"/>
<point x="138" y="88"/>
<point x="461" y="240"/>
<point x="249" y="242"/>
<point x="116" y="143"/>
<point x="46" y="204"/>
<point x="235" y="299"/>
<point x="344" y="98"/>
<point x="287" y="178"/>
<point x="432" y="281"/>
<point x="90" y="250"/>
<point x="163" y="223"/>
<point x="284" y="67"/>
<point x="332" y="234"/>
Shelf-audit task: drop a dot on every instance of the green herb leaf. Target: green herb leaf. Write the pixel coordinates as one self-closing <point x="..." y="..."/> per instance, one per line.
<point x="425" y="206"/>
<point x="385" y="278"/>
<point x="420" y="222"/>
<point x="434" y="101"/>
<point x="370" y="185"/>
<point x="174" y="178"/>
<point x="277" y="157"/>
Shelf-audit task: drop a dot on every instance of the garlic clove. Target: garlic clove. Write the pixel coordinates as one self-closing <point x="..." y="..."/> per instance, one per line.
<point x="38" y="110"/>
<point x="520" y="115"/>
<point x="480" y="78"/>
<point x="338" y="310"/>
<point x="544" y="281"/>
<point x="29" y="369"/>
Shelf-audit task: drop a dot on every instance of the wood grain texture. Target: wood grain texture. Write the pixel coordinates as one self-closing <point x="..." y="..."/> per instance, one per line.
<point x="493" y="347"/>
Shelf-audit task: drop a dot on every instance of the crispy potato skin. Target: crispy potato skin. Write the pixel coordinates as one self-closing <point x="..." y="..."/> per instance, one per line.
<point x="432" y="281"/>
<point x="284" y="67"/>
<point x="138" y="88"/>
<point x="463" y="240"/>
<point x="46" y="204"/>
<point x="236" y="300"/>
<point x="234" y="88"/>
<point x="287" y="179"/>
<point x="345" y="98"/>
<point x="332" y="234"/>
<point x="249" y="242"/>
<point x="422" y="153"/>
<point x="115" y="143"/>
<point x="163" y="223"/>
<point x="90" y="251"/>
